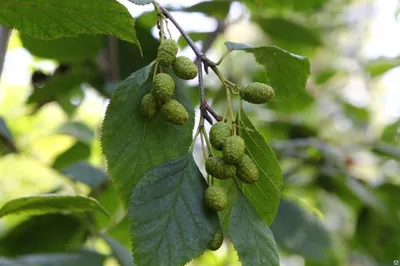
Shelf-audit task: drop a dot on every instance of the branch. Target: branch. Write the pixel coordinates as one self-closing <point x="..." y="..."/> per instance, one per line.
<point x="4" y="37"/>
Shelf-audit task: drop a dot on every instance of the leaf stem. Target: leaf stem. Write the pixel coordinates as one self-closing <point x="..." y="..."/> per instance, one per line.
<point x="209" y="147"/>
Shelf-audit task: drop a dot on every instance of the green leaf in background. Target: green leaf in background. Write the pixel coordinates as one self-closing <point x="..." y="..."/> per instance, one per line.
<point x="132" y="144"/>
<point x="63" y="18"/>
<point x="9" y="262"/>
<point x="252" y="239"/>
<point x="7" y="144"/>
<point x="123" y="256"/>
<point x="64" y="50"/>
<point x="302" y="6"/>
<point x="85" y="173"/>
<point x="288" y="34"/>
<point x="215" y="9"/>
<point x="77" y="258"/>
<point x="141" y="2"/>
<point x="301" y="233"/>
<point x="380" y="66"/>
<point x="266" y="192"/>
<point x="389" y="150"/>
<point x="44" y="233"/>
<point x="195" y="36"/>
<point x="170" y="223"/>
<point x="78" y="130"/>
<point x="77" y="152"/>
<point x="287" y="73"/>
<point x="391" y="133"/>
<point x="51" y="203"/>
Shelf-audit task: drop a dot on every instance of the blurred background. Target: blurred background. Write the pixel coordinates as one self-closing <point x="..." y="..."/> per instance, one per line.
<point x="338" y="143"/>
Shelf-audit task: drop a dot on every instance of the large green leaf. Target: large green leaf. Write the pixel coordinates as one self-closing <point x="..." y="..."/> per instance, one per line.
<point x="61" y="18"/>
<point x="51" y="203"/>
<point x="123" y="256"/>
<point x="132" y="144"/>
<point x="85" y="173"/>
<point x="287" y="73"/>
<point x="170" y="223"/>
<point x="266" y="192"/>
<point x="80" y="48"/>
<point x="44" y="233"/>
<point x="77" y="258"/>
<point x="252" y="239"/>
<point x="300" y="233"/>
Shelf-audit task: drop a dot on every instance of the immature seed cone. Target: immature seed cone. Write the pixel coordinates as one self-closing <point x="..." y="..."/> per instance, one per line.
<point x="218" y="134"/>
<point x="174" y="112"/>
<point x="148" y="106"/>
<point x="216" y="198"/>
<point x="217" y="240"/>
<point x="216" y="167"/>
<point x="184" y="68"/>
<point x="163" y="87"/>
<point x="247" y="171"/>
<point x="233" y="150"/>
<point x="257" y="93"/>
<point x="167" y="52"/>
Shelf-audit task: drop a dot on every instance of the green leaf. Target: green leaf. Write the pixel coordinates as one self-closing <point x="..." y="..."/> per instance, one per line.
<point x="78" y="152"/>
<point x="252" y="239"/>
<point x="81" y="48"/>
<point x="132" y="144"/>
<point x="78" y="258"/>
<point x="380" y="66"/>
<point x="300" y="233"/>
<point x="389" y="150"/>
<point x="44" y="233"/>
<point x="170" y="224"/>
<point x="78" y="130"/>
<point x="6" y="139"/>
<point x="287" y="73"/>
<point x="85" y="173"/>
<point x="123" y="256"/>
<point x="391" y="133"/>
<point x="266" y="192"/>
<point x="63" y="18"/>
<point x="195" y="36"/>
<point x="51" y="203"/>
<point x="302" y="6"/>
<point x="141" y="2"/>
<point x="216" y="9"/>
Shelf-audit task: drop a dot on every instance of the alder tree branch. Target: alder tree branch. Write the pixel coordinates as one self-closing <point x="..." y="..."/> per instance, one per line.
<point x="4" y="37"/>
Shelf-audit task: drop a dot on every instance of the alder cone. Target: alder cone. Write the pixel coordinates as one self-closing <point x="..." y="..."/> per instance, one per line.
<point x="184" y="68"/>
<point x="233" y="150"/>
<point x="163" y="87"/>
<point x="217" y="240"/>
<point x="216" y="198"/>
<point x="216" y="167"/>
<point x="219" y="132"/>
<point x="174" y="112"/>
<point x="148" y="106"/>
<point x="247" y="171"/>
<point x="167" y="52"/>
<point x="257" y="93"/>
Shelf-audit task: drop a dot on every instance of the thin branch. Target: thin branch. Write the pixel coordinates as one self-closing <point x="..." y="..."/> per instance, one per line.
<point x="4" y="37"/>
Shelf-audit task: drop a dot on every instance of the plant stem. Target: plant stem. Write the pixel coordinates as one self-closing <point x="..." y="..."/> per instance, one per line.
<point x="209" y="147"/>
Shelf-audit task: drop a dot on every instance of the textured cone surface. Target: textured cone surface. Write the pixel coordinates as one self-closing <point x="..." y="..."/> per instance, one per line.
<point x="148" y="106"/>
<point x="163" y="87"/>
<point x="257" y="93"/>
<point x="174" y="112"/>
<point x="247" y="171"/>
<point x="219" y="132"/>
<point x="217" y="240"/>
<point x="184" y="68"/>
<point x="216" y="198"/>
<point x="233" y="150"/>
<point x="216" y="167"/>
<point x="167" y="52"/>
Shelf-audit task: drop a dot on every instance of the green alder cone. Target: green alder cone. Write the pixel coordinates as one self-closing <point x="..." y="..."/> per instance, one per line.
<point x="167" y="52"/>
<point x="216" y="198"/>
<point x="233" y="150"/>
<point x="163" y="87"/>
<point x="247" y="171"/>
<point x="148" y="106"/>
<point x="219" y="132"/>
<point x="184" y="68"/>
<point x="257" y="93"/>
<point x="216" y="167"/>
<point x="217" y="240"/>
<point x="174" y="112"/>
